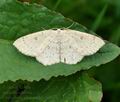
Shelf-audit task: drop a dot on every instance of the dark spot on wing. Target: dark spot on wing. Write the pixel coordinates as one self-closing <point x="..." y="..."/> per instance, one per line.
<point x="65" y="60"/>
<point x="35" y="38"/>
<point x="24" y="40"/>
<point x="70" y="46"/>
<point x="81" y="37"/>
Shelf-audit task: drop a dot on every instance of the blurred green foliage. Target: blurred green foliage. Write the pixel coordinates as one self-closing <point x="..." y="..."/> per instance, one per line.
<point x="103" y="17"/>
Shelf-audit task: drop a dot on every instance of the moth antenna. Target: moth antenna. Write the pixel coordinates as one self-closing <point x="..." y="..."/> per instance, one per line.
<point x="66" y="27"/>
<point x="70" y="25"/>
<point x="54" y="28"/>
<point x="43" y="28"/>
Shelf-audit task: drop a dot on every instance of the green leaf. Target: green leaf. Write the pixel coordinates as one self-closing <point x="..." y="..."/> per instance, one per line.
<point x="14" y="65"/>
<point x="76" y="88"/>
<point x="18" y="19"/>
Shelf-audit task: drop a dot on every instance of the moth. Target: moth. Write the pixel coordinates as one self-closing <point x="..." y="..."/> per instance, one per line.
<point x="60" y="45"/>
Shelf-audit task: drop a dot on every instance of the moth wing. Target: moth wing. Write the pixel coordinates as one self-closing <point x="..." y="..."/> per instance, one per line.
<point x="71" y="48"/>
<point x="79" y="45"/>
<point x="34" y="43"/>
<point x="87" y="44"/>
<point x="50" y="55"/>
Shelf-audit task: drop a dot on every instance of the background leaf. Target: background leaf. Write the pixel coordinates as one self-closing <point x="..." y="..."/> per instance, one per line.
<point x="76" y="88"/>
<point x="28" y="18"/>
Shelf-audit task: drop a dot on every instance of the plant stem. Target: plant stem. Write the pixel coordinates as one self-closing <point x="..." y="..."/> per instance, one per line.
<point x="57" y="4"/>
<point x="99" y="18"/>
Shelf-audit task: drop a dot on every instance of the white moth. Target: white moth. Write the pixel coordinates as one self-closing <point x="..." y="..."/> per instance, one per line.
<point x="55" y="46"/>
